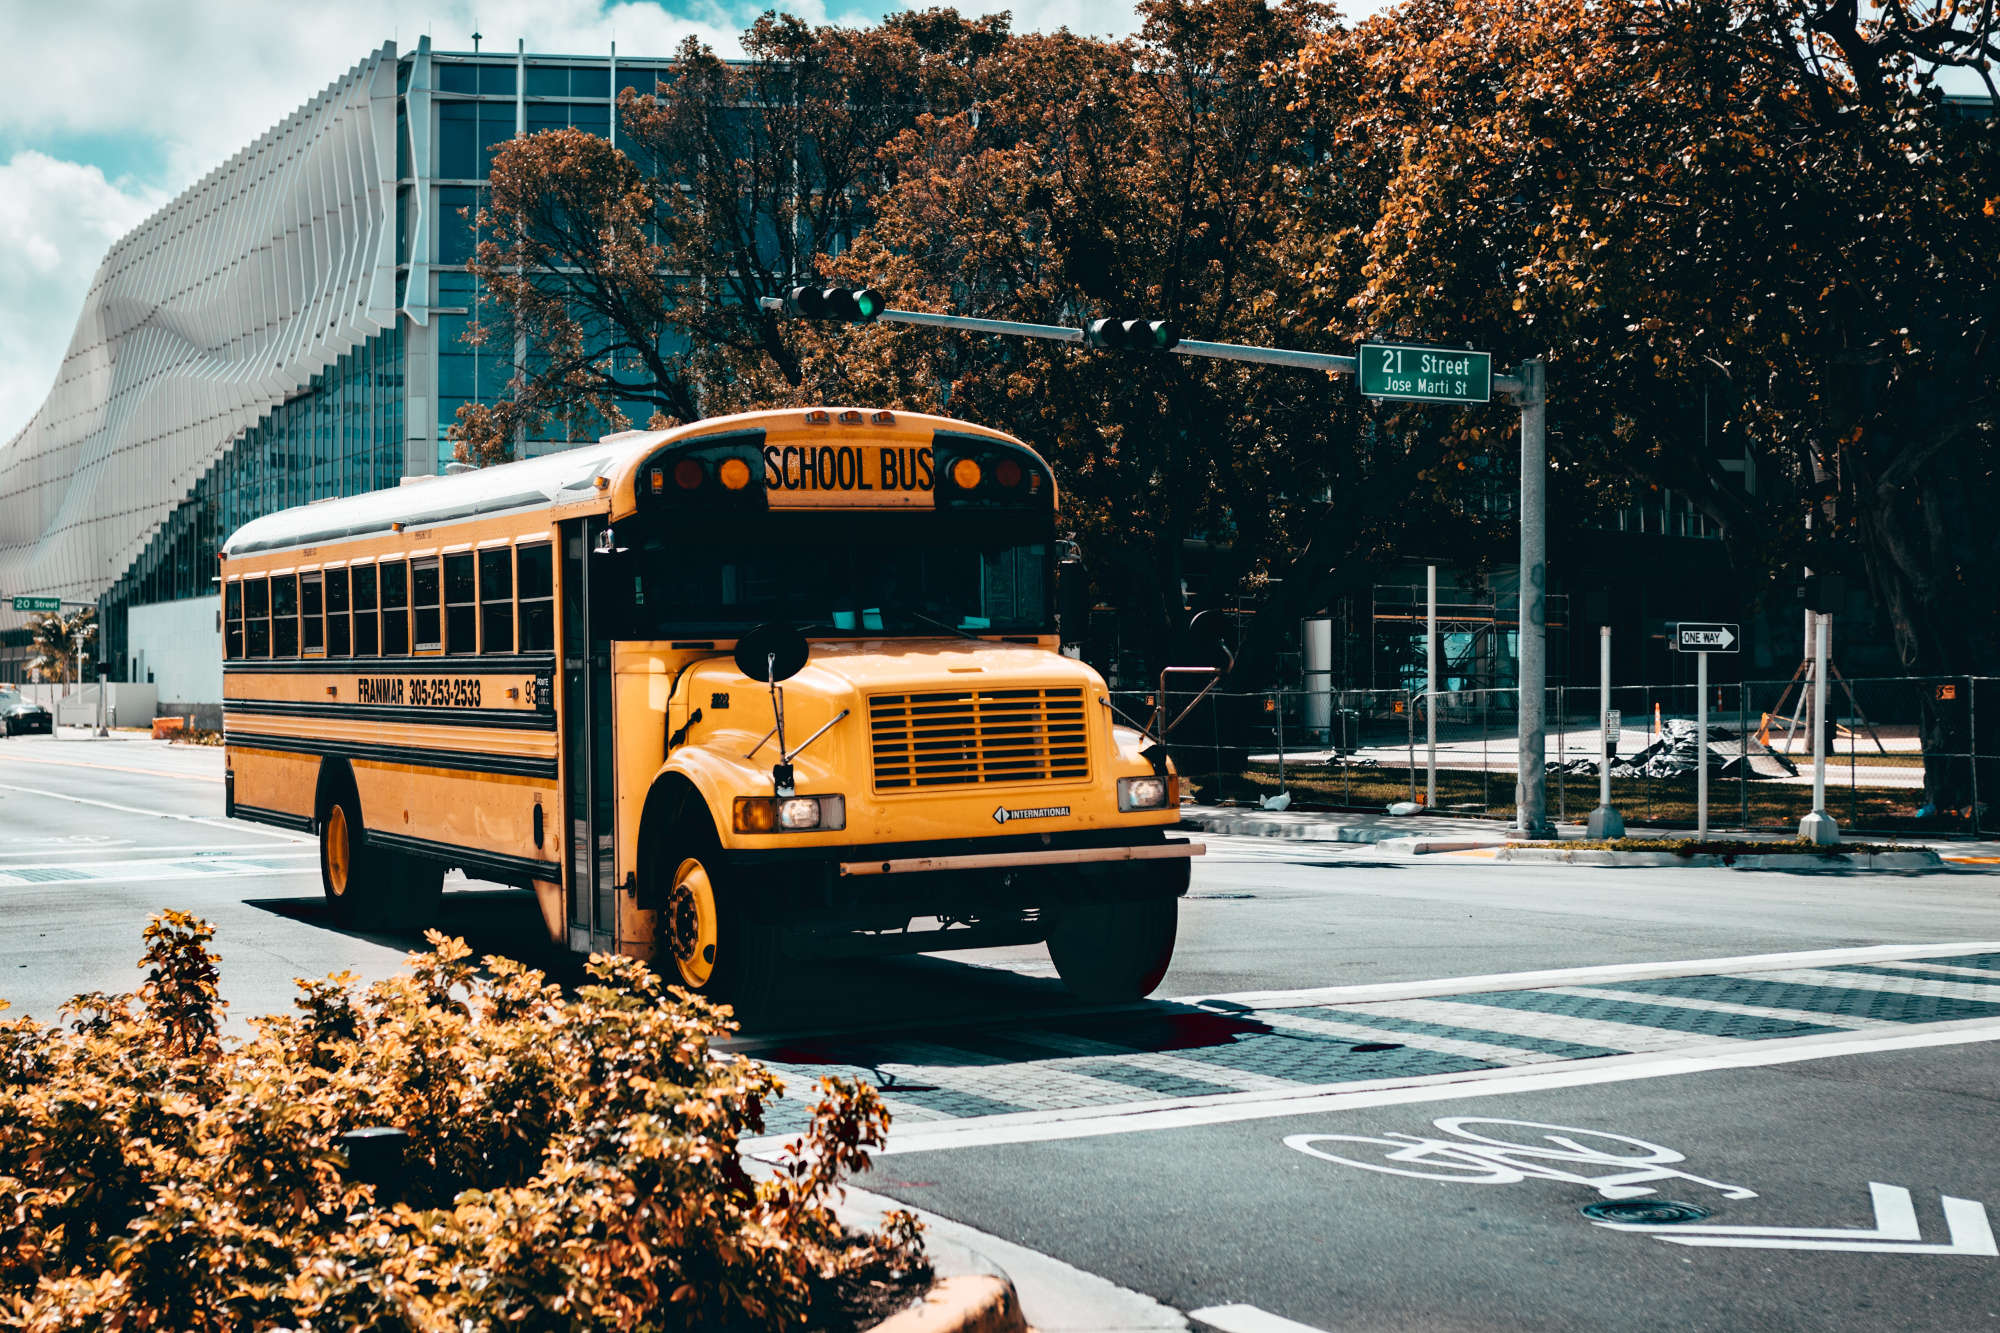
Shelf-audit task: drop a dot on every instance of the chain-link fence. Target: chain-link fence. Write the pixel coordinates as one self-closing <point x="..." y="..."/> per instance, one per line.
<point x="1903" y="754"/>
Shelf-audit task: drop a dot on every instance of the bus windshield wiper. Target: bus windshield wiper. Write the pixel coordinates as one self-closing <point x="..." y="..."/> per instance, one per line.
<point x="915" y="614"/>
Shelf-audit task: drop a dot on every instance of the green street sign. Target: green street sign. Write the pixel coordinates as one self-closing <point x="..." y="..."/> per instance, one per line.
<point x="1425" y="374"/>
<point x="38" y="603"/>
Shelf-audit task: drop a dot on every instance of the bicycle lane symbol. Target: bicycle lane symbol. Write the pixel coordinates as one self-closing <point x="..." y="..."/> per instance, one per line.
<point x="1499" y="1156"/>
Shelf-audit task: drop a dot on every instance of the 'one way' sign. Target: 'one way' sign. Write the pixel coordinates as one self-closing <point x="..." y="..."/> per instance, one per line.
<point x="1710" y="638"/>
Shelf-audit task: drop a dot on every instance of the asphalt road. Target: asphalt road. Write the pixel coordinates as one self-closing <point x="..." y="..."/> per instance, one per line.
<point x="1180" y="1147"/>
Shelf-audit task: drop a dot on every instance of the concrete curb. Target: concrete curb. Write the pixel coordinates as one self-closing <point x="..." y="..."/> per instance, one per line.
<point x="1250" y="826"/>
<point x="1915" y="859"/>
<point x="971" y="1303"/>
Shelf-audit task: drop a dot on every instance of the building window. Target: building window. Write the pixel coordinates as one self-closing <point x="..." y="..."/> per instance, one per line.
<point x="457" y="78"/>
<point x="285" y="616"/>
<point x="367" y="641"/>
<point x="426" y="606"/>
<point x="548" y="81"/>
<point x="458" y="140"/>
<point x="590" y="81"/>
<point x="232" y="619"/>
<point x="312" y="614"/>
<point x="496" y="80"/>
<point x="496" y="600"/>
<point x="256" y="618"/>
<point x="461" y="605"/>
<point x="395" y="609"/>
<point x="338" y="641"/>
<point x="538" y="603"/>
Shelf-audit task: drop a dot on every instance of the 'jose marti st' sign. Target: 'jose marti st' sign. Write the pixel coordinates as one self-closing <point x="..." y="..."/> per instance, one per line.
<point x="1425" y="374"/>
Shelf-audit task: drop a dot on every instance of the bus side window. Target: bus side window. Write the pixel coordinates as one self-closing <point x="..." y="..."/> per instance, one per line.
<point x="496" y="600"/>
<point x="312" y="609"/>
<point x="536" y="581"/>
<point x="256" y="618"/>
<point x="395" y="609"/>
<point x="232" y="619"/>
<point x="285" y="615"/>
<point x="338" y="642"/>
<point x="461" y="602"/>
<point x="367" y="642"/>
<point x="426" y="623"/>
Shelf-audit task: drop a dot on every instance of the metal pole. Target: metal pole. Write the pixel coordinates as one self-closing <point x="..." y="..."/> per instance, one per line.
<point x="1701" y="747"/>
<point x="1530" y="784"/>
<point x="1818" y="827"/>
<point x="1430" y="692"/>
<point x="1605" y="822"/>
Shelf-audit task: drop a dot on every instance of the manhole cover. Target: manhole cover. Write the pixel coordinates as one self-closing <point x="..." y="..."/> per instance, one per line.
<point x="1652" y="1211"/>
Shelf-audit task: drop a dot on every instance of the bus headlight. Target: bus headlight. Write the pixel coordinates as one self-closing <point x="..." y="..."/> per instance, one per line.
<point x="1147" y="793"/>
<point x="790" y="814"/>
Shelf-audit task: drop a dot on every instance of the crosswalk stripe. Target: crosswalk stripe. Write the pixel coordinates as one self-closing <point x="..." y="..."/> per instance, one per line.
<point x="1712" y="1006"/>
<point x="1241" y="1080"/>
<point x="1937" y="987"/>
<point x="1472" y="1050"/>
<point x="1584" y="1031"/>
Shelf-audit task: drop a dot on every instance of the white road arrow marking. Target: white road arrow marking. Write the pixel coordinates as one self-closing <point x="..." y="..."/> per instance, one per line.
<point x="1896" y="1230"/>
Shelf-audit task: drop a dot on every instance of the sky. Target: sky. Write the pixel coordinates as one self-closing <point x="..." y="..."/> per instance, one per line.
<point x="115" y="106"/>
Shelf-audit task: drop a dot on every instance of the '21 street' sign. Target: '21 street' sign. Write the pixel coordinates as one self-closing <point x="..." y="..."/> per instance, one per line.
<point x="1425" y="374"/>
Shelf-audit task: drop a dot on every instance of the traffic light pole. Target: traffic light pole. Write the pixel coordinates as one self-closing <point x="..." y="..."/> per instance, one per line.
<point x="1525" y="387"/>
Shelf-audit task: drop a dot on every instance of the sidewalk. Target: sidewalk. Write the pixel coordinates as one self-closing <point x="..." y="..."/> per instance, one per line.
<point x="1442" y="833"/>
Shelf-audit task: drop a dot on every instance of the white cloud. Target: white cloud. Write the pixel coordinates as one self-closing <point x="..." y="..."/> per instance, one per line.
<point x="180" y="87"/>
<point x="56" y="221"/>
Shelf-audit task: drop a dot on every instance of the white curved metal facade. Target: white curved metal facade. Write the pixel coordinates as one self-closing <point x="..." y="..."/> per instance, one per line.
<point x="199" y="322"/>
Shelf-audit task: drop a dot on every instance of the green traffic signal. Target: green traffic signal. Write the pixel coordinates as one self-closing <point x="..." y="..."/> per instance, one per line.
<point x="1132" y="335"/>
<point x="854" y="305"/>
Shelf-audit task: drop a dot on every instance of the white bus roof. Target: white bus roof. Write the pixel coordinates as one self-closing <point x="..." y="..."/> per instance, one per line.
<point x="533" y="483"/>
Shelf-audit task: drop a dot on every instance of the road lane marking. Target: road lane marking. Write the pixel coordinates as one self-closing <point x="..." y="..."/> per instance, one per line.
<point x="1470" y="1157"/>
<point x="112" y="768"/>
<point x="1572" y="976"/>
<point x="1896" y="1230"/>
<point x="154" y="870"/>
<point x="1183" y="1113"/>
<point x="227" y="825"/>
<point x="1248" y="1319"/>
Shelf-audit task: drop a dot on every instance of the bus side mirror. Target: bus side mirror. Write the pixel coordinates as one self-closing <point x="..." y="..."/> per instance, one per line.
<point x="1072" y="600"/>
<point x="772" y="653"/>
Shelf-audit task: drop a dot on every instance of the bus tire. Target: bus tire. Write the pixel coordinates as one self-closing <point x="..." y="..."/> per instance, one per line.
<point x="1114" y="950"/>
<point x="710" y="940"/>
<point x="355" y="878"/>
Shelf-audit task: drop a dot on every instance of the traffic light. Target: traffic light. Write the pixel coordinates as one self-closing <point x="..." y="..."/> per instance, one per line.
<point x="855" y="305"/>
<point x="1132" y="335"/>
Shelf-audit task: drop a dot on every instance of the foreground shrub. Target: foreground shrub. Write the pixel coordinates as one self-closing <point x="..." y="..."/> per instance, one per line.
<point x="571" y="1162"/>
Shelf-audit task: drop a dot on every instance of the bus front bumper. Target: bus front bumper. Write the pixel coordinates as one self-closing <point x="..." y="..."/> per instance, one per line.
<point x="912" y="865"/>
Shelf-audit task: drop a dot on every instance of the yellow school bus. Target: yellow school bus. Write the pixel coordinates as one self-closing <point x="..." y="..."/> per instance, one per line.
<point x="768" y="686"/>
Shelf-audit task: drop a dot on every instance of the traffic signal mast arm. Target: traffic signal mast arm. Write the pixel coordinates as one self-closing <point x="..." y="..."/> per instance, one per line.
<point x="1326" y="362"/>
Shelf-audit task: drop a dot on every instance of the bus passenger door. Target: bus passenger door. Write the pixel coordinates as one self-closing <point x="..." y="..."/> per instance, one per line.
<point x="589" y="802"/>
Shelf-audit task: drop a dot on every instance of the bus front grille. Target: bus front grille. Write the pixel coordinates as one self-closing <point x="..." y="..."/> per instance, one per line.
<point x="957" y="738"/>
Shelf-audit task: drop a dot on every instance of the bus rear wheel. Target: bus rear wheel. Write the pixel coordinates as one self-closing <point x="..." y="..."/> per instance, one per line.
<point x="351" y="873"/>
<point x="709" y="940"/>
<point x="1114" y="950"/>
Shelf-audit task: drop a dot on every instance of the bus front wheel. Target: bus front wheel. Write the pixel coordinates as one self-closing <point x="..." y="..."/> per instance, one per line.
<point x="710" y="941"/>
<point x="1114" y="950"/>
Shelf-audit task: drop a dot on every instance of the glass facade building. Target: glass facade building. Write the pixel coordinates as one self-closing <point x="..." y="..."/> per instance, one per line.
<point x="289" y="329"/>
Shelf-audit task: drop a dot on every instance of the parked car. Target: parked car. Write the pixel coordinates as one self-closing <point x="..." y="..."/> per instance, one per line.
<point x="24" y="716"/>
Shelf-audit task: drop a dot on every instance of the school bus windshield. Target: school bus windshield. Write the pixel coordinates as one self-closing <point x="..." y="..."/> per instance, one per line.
<point x="861" y="577"/>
